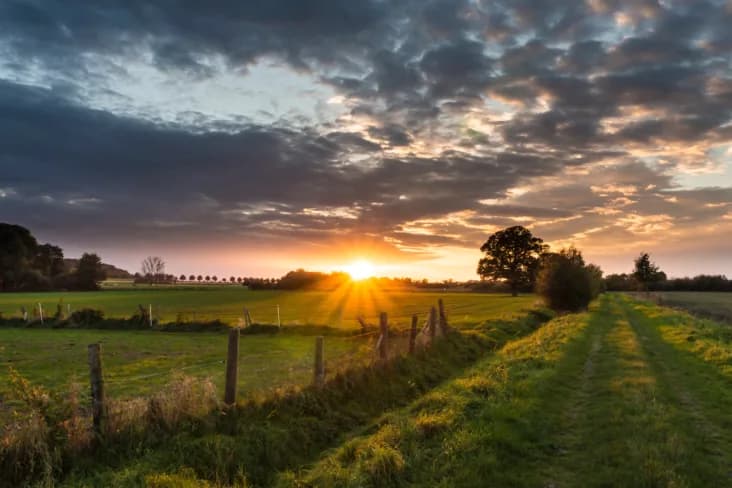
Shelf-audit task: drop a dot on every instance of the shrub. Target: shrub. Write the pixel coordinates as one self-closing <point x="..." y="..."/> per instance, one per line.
<point x="87" y="316"/>
<point x="566" y="283"/>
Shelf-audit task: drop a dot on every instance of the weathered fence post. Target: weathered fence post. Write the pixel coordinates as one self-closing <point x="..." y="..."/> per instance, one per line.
<point x="247" y="318"/>
<point x="40" y="312"/>
<point x="25" y="313"/>
<point x="443" y="317"/>
<point x="279" y="322"/>
<point x="232" y="367"/>
<point x="433" y="324"/>
<point x="413" y="334"/>
<point x="319" y="371"/>
<point x="149" y="314"/>
<point x="68" y="310"/>
<point x="99" y="408"/>
<point x="384" y="340"/>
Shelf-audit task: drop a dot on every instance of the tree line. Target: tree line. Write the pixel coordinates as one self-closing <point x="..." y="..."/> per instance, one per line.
<point x="26" y="265"/>
<point x="647" y="276"/>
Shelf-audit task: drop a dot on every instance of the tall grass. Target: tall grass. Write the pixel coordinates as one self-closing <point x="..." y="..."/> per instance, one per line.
<point x="183" y="429"/>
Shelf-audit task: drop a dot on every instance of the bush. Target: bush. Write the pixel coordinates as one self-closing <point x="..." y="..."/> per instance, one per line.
<point x="566" y="283"/>
<point x="87" y="316"/>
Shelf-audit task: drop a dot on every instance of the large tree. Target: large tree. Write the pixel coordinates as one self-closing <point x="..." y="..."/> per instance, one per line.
<point x="646" y="271"/>
<point x="511" y="255"/>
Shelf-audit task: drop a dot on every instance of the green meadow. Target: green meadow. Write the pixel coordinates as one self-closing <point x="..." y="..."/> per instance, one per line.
<point x="226" y="303"/>
<point x="138" y="362"/>
<point x="628" y="393"/>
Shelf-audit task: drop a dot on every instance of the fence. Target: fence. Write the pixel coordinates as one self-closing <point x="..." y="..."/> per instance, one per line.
<point x="238" y="314"/>
<point x="389" y="343"/>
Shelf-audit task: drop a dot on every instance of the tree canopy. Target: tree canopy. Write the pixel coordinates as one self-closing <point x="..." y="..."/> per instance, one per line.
<point x="646" y="272"/>
<point x="511" y="255"/>
<point x="26" y="265"/>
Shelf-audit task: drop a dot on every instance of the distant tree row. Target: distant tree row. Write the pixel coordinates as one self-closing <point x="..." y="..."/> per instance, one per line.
<point x="26" y="265"/>
<point x="647" y="276"/>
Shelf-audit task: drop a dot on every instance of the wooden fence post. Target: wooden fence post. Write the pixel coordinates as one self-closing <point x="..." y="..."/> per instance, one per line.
<point x="443" y="317"/>
<point x="433" y="324"/>
<point x="232" y="367"/>
<point x="319" y="371"/>
<point x="25" y="313"/>
<point x="384" y="340"/>
<point x="279" y="322"/>
<point x="247" y="318"/>
<point x="99" y="408"/>
<point x="40" y="312"/>
<point x="149" y="314"/>
<point x="413" y="334"/>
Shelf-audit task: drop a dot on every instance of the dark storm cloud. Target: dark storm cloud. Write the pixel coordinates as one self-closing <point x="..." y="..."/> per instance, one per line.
<point x="580" y="83"/>
<point x="80" y="165"/>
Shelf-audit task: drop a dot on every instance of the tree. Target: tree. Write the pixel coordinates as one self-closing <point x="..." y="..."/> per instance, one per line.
<point x="646" y="272"/>
<point x="566" y="283"/>
<point x="215" y="278"/>
<point x="192" y="278"/>
<point x="49" y="260"/>
<point x="182" y="277"/>
<point x="17" y="251"/>
<point x="89" y="272"/>
<point x="153" y="268"/>
<point x="512" y="255"/>
<point x="199" y="278"/>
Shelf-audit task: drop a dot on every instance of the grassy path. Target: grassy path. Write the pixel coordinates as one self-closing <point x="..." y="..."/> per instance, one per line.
<point x="627" y="395"/>
<point x="645" y="413"/>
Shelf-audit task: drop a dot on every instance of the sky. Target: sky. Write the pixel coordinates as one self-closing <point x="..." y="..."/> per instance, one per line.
<point x="252" y="137"/>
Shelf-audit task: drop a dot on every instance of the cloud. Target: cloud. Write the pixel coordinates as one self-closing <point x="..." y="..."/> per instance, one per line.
<point x="417" y="114"/>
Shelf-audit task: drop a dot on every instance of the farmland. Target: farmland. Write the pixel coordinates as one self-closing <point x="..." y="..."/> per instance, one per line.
<point x="625" y="394"/>
<point x="226" y="303"/>
<point x="716" y="305"/>
<point x="138" y="362"/>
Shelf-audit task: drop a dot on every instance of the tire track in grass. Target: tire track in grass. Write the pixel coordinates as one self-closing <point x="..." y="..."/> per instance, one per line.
<point x="618" y="429"/>
<point x="701" y="393"/>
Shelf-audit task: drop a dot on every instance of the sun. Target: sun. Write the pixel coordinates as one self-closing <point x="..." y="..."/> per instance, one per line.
<point x="360" y="270"/>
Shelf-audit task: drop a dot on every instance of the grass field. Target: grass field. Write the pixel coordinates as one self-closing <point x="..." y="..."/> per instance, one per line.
<point x="139" y="362"/>
<point x="626" y="394"/>
<point x="717" y="305"/>
<point x="226" y="303"/>
<point x="629" y="394"/>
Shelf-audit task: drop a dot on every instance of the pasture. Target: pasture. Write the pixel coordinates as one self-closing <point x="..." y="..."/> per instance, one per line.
<point x="137" y="362"/>
<point x="339" y="308"/>
<point x="627" y="394"/>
